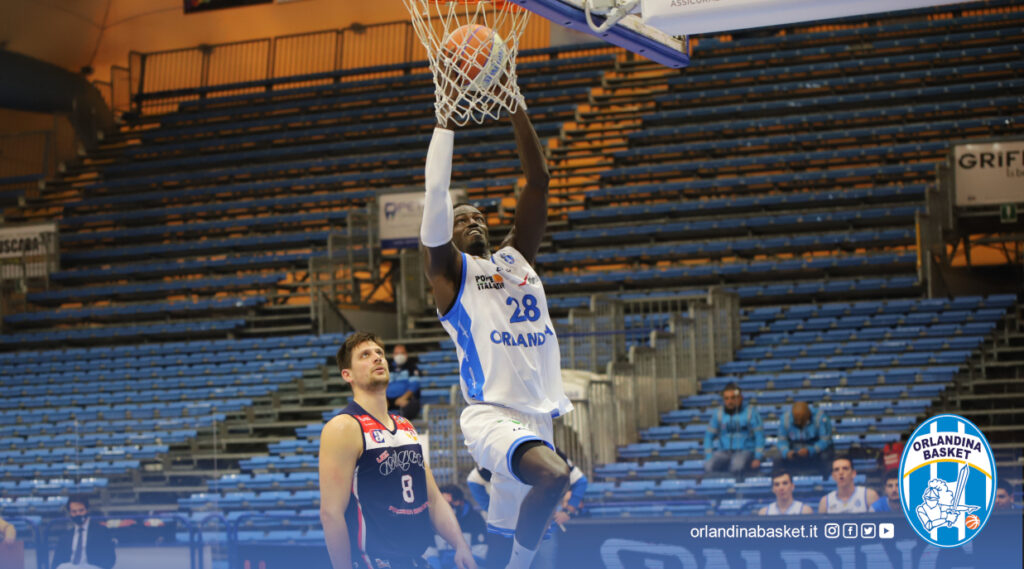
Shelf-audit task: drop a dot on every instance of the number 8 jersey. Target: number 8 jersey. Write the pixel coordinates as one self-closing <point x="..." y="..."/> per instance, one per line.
<point x="506" y="343"/>
<point x="388" y="514"/>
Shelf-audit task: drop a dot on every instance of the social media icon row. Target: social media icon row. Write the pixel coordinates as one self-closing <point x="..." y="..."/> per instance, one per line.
<point x="864" y="531"/>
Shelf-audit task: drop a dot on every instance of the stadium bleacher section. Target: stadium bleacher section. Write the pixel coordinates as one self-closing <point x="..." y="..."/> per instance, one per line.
<point x="124" y="407"/>
<point x="875" y="391"/>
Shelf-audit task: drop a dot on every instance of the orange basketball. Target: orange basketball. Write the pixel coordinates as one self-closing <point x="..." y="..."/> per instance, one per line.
<point x="479" y="53"/>
<point x="973" y="522"/>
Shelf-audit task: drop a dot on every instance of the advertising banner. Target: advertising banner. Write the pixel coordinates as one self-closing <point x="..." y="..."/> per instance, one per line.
<point x="26" y="240"/>
<point x="989" y="173"/>
<point x="399" y="215"/>
<point x="28" y="250"/>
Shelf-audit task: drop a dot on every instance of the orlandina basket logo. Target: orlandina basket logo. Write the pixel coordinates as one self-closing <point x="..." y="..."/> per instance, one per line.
<point x="947" y="480"/>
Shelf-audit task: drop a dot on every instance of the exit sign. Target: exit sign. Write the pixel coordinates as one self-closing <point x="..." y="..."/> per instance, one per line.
<point x="1008" y="213"/>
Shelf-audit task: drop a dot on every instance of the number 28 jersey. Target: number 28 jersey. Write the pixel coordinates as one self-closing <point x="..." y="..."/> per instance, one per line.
<point x="506" y="343"/>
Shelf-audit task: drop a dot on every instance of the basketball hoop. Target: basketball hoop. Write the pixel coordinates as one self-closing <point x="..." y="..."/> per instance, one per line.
<point x="472" y="47"/>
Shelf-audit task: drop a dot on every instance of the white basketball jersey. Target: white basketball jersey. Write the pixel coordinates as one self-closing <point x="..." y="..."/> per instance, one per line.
<point x="795" y="508"/>
<point x="857" y="504"/>
<point x="508" y="351"/>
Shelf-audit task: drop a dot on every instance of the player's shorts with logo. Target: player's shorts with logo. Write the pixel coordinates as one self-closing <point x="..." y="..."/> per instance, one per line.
<point x="493" y="434"/>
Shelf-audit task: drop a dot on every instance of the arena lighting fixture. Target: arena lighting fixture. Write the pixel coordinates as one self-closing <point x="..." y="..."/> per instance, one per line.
<point x="656" y="29"/>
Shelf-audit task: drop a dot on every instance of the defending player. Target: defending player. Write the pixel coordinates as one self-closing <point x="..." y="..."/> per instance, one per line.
<point x="378" y="499"/>
<point x="494" y="308"/>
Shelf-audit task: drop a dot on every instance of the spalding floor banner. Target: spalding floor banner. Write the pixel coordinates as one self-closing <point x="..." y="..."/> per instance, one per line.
<point x="686" y="17"/>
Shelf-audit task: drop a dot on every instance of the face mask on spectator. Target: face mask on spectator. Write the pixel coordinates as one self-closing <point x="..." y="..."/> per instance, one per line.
<point x="400" y="359"/>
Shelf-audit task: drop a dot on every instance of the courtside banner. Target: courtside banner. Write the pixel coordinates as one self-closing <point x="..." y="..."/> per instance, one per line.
<point x="989" y="173"/>
<point x="685" y="17"/>
<point x="850" y="541"/>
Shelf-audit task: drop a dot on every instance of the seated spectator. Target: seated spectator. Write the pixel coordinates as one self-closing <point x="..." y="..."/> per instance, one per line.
<point x="891" y="501"/>
<point x="847" y="498"/>
<point x="404" y="388"/>
<point x="805" y="440"/>
<point x="1004" y="496"/>
<point x="469" y="519"/>
<point x="784" y="504"/>
<point x="441" y="555"/>
<point x="8" y="531"/>
<point x="734" y="440"/>
<point x="89" y="546"/>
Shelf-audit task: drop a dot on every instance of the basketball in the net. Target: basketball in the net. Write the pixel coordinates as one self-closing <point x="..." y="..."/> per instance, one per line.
<point x="479" y="53"/>
<point x="972" y="522"/>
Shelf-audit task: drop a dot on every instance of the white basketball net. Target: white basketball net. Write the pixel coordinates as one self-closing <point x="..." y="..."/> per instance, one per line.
<point x="471" y="88"/>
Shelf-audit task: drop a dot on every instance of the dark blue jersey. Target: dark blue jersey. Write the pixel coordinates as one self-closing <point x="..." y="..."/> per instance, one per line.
<point x="387" y="515"/>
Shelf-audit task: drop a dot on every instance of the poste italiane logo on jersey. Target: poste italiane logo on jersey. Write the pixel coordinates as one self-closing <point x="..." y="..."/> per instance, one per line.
<point x="947" y="480"/>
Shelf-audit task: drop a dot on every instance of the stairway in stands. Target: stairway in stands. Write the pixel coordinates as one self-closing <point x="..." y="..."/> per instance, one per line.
<point x="991" y="391"/>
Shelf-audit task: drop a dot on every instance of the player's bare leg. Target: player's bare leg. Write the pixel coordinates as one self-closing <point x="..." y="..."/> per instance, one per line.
<point x="548" y="477"/>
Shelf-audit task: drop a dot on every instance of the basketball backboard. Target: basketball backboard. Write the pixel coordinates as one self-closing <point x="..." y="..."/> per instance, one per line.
<point x="657" y="29"/>
<point x="629" y="32"/>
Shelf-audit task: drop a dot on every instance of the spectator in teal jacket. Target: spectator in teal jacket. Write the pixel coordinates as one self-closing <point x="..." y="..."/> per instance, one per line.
<point x="734" y="440"/>
<point x="805" y="440"/>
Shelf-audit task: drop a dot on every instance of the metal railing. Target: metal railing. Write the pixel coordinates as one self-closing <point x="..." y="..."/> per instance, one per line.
<point x="653" y="351"/>
<point x="446" y="439"/>
<point x="587" y="435"/>
<point x="159" y="81"/>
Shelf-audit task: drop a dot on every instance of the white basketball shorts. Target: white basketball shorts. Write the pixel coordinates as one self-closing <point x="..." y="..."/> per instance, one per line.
<point x="493" y="434"/>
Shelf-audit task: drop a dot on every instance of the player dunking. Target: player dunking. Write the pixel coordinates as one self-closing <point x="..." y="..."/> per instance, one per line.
<point x="494" y="308"/>
<point x="378" y="498"/>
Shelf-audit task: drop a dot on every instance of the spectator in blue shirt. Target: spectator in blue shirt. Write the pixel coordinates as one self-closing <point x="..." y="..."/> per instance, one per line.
<point x="404" y="389"/>
<point x="890" y="502"/>
<point x="734" y="440"/>
<point x="805" y="440"/>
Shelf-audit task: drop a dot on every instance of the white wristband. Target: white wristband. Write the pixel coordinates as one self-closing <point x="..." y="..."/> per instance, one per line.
<point x="436" y="227"/>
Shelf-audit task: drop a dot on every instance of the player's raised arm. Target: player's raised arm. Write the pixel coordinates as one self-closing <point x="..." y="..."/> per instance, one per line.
<point x="532" y="208"/>
<point x="443" y="263"/>
<point x="340" y="446"/>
